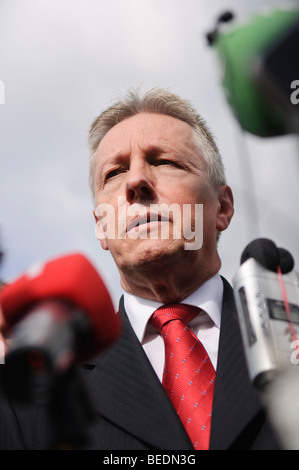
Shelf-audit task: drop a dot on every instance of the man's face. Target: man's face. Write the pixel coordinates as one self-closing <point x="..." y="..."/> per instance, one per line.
<point x="145" y="166"/>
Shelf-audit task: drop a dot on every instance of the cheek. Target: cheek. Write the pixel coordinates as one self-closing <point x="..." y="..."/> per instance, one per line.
<point x="178" y="194"/>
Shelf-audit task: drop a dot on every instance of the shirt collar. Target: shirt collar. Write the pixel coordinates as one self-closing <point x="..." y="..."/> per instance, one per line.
<point x="208" y="297"/>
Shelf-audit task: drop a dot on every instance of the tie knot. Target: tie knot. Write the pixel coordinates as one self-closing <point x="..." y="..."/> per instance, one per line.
<point x="167" y="313"/>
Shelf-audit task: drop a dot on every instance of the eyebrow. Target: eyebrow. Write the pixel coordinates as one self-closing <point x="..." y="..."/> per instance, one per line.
<point x="119" y="156"/>
<point x="114" y="159"/>
<point x="151" y="150"/>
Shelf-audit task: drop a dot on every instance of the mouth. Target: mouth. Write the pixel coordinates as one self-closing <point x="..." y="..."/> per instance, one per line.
<point x="145" y="219"/>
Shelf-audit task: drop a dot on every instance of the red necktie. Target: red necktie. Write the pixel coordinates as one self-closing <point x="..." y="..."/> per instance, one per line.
<point x="189" y="375"/>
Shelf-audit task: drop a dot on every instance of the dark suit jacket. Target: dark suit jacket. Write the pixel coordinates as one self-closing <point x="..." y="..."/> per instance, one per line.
<point x="133" y="411"/>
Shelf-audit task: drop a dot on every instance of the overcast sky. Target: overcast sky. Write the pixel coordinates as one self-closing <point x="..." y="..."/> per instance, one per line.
<point x="62" y="62"/>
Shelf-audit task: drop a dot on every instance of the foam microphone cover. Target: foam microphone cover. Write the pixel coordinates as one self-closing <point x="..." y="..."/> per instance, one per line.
<point x="264" y="251"/>
<point x="71" y="279"/>
<point x="286" y="261"/>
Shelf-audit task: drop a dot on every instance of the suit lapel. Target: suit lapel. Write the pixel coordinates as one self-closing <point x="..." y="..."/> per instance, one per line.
<point x="236" y="402"/>
<point x="129" y="394"/>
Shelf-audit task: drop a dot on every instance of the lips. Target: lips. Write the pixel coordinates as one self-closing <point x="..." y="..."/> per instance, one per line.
<point x="145" y="219"/>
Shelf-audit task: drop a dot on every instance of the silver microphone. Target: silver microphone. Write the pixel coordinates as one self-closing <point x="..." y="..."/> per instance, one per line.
<point x="266" y="289"/>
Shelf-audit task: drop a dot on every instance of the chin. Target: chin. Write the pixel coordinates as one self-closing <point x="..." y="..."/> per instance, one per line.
<point x="153" y="254"/>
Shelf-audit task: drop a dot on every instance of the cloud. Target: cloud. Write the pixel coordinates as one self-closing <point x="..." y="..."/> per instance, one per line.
<point x="62" y="62"/>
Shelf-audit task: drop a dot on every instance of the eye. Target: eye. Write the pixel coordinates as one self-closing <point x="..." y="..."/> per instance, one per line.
<point x="164" y="161"/>
<point x="111" y="174"/>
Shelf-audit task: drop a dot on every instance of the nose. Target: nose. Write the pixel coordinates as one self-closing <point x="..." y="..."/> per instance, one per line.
<point x="140" y="184"/>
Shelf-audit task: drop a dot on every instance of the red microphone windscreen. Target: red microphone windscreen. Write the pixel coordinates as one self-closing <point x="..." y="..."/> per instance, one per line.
<point x="73" y="279"/>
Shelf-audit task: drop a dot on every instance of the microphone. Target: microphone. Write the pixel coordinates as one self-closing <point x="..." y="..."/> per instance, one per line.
<point x="258" y="64"/>
<point x="56" y="314"/>
<point x="266" y="290"/>
<point x="268" y="255"/>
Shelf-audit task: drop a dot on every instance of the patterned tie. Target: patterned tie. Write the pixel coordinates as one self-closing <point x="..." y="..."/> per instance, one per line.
<point x="189" y="375"/>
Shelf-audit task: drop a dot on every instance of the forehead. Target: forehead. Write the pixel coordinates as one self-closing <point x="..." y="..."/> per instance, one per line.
<point x="145" y="129"/>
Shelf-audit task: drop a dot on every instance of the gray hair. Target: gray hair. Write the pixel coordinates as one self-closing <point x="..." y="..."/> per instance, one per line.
<point x="158" y="101"/>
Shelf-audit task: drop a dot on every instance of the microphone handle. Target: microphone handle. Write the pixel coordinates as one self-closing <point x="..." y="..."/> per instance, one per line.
<point x="42" y="346"/>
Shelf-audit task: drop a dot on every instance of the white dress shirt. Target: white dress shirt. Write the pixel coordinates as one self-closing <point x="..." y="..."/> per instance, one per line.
<point x="206" y="325"/>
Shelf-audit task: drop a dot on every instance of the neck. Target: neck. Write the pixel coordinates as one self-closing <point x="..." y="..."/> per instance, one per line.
<point x="172" y="287"/>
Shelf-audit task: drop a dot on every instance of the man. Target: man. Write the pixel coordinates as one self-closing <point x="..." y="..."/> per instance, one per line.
<point x="154" y="152"/>
<point x="155" y="170"/>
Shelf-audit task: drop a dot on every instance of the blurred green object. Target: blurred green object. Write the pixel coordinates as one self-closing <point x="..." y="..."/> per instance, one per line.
<point x="259" y="60"/>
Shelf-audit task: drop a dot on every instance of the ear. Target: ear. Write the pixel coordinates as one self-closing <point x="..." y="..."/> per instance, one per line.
<point x="225" y="209"/>
<point x="100" y="232"/>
